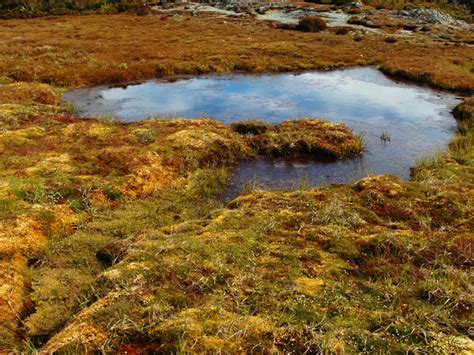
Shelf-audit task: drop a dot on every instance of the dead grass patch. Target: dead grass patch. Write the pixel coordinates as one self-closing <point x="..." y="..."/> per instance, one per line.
<point x="88" y="50"/>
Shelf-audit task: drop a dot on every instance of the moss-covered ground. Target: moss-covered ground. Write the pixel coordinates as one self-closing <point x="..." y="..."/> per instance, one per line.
<point x="114" y="239"/>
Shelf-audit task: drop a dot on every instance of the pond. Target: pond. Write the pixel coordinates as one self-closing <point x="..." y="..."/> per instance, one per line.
<point x="401" y="123"/>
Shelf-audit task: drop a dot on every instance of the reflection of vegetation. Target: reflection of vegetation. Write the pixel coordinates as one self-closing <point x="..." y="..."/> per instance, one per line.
<point x="385" y="137"/>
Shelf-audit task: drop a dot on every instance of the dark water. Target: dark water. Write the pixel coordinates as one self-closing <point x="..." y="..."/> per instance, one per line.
<point x="416" y="119"/>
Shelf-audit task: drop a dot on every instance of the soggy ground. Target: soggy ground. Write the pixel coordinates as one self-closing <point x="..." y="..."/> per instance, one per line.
<point x="401" y="123"/>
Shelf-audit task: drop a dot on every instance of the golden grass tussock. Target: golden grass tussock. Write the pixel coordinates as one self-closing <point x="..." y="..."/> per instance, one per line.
<point x="148" y="178"/>
<point x="305" y="137"/>
<point x="13" y="297"/>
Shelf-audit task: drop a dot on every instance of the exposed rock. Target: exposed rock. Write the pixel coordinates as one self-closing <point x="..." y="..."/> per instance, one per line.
<point x="432" y="16"/>
<point x="356" y="4"/>
<point x="361" y="21"/>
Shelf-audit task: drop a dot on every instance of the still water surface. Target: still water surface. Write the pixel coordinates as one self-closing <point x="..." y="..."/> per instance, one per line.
<point x="416" y="119"/>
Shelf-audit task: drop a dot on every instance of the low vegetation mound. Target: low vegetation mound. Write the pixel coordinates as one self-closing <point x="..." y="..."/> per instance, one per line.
<point x="312" y="24"/>
<point x="464" y="112"/>
<point x="301" y="138"/>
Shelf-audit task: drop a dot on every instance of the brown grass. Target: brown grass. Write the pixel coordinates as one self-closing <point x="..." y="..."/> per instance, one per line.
<point x="88" y="50"/>
<point x="312" y="24"/>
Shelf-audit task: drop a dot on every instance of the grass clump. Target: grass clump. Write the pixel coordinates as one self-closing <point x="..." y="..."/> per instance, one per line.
<point x="307" y="138"/>
<point x="385" y="137"/>
<point x="341" y="30"/>
<point x="391" y="39"/>
<point x="312" y="24"/>
<point x="464" y="112"/>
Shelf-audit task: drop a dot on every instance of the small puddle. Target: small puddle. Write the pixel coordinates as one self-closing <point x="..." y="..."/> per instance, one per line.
<point x="416" y="120"/>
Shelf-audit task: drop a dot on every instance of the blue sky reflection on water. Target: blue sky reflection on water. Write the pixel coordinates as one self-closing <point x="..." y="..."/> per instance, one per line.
<point x="417" y="119"/>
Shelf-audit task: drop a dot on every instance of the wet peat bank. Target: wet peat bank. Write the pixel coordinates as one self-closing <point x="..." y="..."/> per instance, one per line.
<point x="401" y="123"/>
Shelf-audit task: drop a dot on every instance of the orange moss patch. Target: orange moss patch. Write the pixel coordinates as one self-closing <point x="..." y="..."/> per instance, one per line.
<point x="29" y="93"/>
<point x="13" y="296"/>
<point x="23" y="236"/>
<point x="147" y="178"/>
<point x="18" y="240"/>
<point x="65" y="220"/>
<point x="309" y="286"/>
<point x="308" y="137"/>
